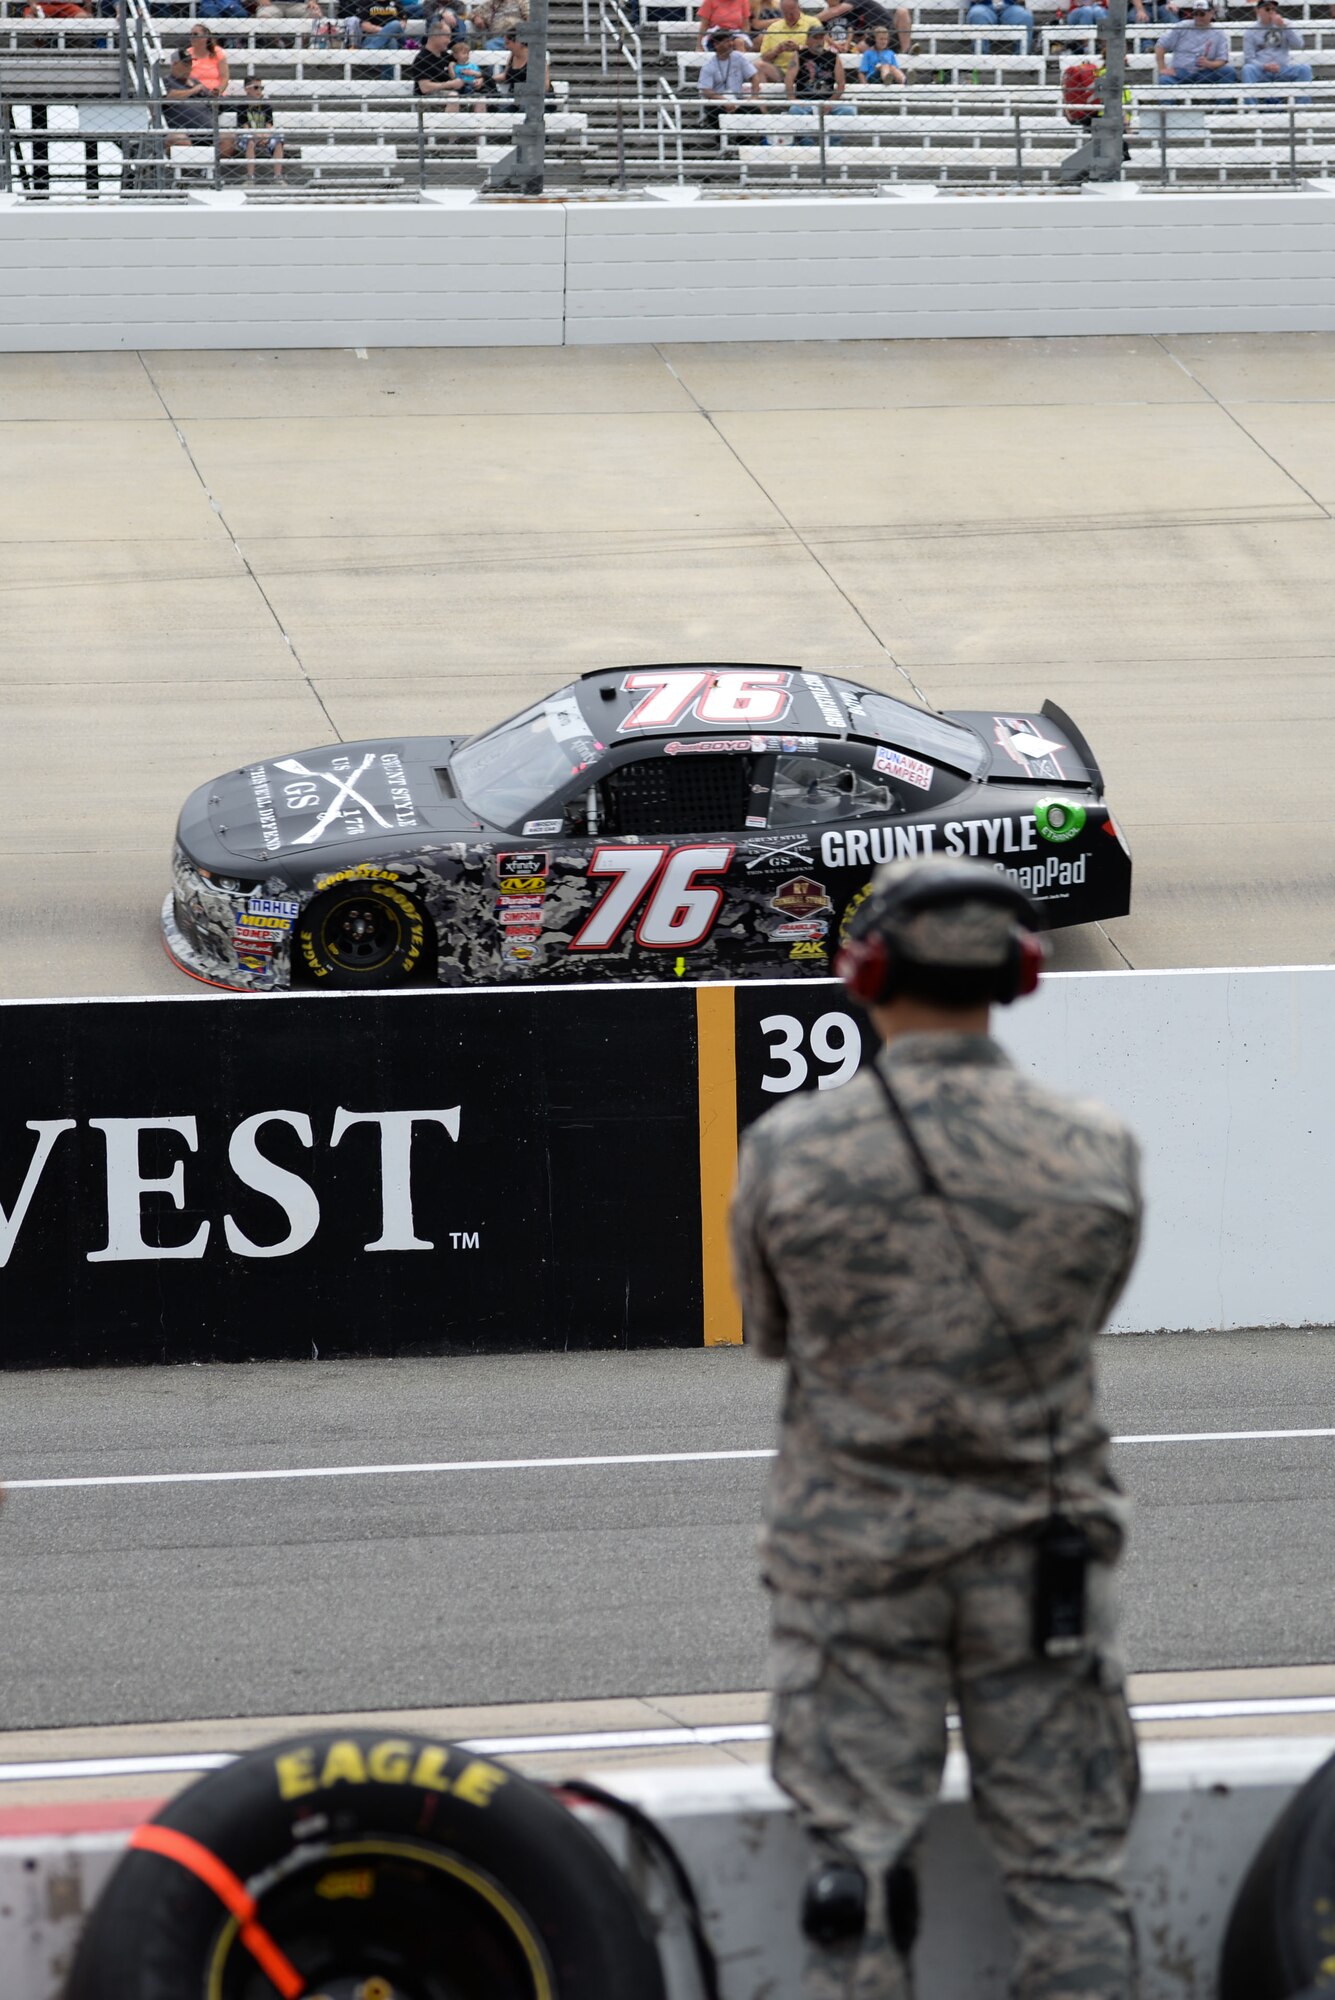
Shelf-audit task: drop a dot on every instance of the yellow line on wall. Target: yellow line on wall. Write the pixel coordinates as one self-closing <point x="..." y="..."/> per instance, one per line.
<point x="716" y="1064"/>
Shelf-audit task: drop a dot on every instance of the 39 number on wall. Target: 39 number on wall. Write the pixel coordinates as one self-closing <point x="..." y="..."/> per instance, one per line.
<point x="834" y="1041"/>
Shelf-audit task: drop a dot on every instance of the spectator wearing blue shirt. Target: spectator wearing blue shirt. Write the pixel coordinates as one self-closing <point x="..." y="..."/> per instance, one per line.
<point x="1198" y="52"/>
<point x="1003" y="14"/>
<point x="1266" y="48"/>
<point x="878" y="63"/>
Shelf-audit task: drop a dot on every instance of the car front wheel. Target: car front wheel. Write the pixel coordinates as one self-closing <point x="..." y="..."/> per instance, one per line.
<point x="360" y="934"/>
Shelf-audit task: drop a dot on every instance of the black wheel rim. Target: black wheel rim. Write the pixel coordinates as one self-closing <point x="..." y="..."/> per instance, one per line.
<point x="362" y="934"/>
<point x="388" y="1920"/>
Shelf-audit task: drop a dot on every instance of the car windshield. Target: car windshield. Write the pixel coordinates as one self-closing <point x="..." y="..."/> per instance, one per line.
<point x="926" y="735"/>
<point x="506" y="774"/>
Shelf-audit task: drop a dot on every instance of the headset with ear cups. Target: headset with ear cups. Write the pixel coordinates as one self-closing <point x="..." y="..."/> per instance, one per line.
<point x="869" y="964"/>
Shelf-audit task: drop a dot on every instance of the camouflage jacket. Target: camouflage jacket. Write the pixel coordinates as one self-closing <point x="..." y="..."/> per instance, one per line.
<point x="910" y="1431"/>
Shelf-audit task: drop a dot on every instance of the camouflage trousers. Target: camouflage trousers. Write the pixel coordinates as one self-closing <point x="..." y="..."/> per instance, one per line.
<point x="861" y="1687"/>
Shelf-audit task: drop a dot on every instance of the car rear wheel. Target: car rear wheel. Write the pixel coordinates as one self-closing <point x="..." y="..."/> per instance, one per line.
<point x="364" y="934"/>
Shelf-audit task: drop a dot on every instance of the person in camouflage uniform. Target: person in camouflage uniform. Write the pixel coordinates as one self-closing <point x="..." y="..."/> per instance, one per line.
<point x="939" y="1407"/>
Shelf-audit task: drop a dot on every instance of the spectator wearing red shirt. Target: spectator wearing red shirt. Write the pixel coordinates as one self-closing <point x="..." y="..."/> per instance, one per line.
<point x="732" y="16"/>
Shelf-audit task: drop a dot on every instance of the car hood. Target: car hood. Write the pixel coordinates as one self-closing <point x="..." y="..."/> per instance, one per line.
<point x="393" y="792"/>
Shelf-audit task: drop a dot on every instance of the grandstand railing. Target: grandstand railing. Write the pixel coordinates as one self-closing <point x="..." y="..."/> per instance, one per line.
<point x="349" y="121"/>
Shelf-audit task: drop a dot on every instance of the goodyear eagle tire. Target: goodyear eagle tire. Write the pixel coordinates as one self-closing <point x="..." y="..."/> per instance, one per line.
<point x="359" y="1865"/>
<point x="359" y="934"/>
<point x="1281" y="1933"/>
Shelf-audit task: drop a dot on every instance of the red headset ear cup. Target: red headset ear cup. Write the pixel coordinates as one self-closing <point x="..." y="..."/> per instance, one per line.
<point x="1032" y="955"/>
<point x="864" y="964"/>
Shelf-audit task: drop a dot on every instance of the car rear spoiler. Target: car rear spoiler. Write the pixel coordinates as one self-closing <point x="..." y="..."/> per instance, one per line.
<point x="1077" y="740"/>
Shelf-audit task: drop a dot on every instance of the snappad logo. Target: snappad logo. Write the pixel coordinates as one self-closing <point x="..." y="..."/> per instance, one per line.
<point x="126" y="1184"/>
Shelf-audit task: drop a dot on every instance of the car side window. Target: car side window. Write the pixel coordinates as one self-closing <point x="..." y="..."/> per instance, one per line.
<point x="807" y="791"/>
<point x="692" y="791"/>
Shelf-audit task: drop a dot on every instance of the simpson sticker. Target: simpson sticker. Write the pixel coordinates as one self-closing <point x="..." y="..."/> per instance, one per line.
<point x="532" y="863"/>
<point x="532" y="826"/>
<point x="909" y="770"/>
<point x="1059" y="819"/>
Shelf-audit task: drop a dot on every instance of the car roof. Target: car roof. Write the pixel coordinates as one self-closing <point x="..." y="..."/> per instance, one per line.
<point x="817" y="704"/>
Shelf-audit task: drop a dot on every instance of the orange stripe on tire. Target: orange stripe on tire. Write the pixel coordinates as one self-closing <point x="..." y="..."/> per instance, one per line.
<point x="231" y="1892"/>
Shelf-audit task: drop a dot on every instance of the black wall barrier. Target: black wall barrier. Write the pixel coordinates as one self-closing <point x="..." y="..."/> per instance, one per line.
<point x="419" y="1173"/>
<point x="215" y="1179"/>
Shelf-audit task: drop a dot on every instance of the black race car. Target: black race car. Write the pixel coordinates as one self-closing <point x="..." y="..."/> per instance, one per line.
<point x="644" y="823"/>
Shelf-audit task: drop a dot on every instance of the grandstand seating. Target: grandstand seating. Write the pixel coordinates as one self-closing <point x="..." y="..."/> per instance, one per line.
<point x="627" y="109"/>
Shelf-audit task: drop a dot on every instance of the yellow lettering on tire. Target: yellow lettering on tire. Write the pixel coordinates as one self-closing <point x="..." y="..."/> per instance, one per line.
<point x="429" y="1770"/>
<point x="296" y="1773"/>
<point x="343" y="1765"/>
<point x="477" y="1782"/>
<point x="390" y="1762"/>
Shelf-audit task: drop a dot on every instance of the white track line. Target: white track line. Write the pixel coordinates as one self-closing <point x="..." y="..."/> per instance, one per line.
<point x="709" y="1736"/>
<point x="544" y="1464"/>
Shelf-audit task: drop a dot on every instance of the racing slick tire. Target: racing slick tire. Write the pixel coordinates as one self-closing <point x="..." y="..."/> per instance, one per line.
<point x="357" y="935"/>
<point x="1278" y="1940"/>
<point x="363" y="1865"/>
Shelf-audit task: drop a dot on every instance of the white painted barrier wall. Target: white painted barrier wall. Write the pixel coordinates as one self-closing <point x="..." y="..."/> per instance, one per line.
<point x="214" y="273"/>
<point x="1228" y="1079"/>
<point x="1205" y="1809"/>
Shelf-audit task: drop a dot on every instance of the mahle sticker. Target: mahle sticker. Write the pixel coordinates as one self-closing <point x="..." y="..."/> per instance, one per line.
<point x="1059" y="819"/>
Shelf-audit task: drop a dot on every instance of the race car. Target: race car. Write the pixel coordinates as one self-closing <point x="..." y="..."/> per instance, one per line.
<point x="660" y="822"/>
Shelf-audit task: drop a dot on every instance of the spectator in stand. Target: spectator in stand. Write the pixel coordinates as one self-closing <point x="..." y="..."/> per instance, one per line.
<point x="377" y="24"/>
<point x="454" y="24"/>
<point x="732" y="15"/>
<point x="1266" y="48"/>
<point x="817" y="77"/>
<point x="515" y="72"/>
<point x="57" y="10"/>
<point x="1199" y="51"/>
<point x="1082" y="17"/>
<point x="861" y="18"/>
<point x="1001" y="14"/>
<point x="784" y="40"/>
<point x="208" y="61"/>
<point x="726" y="73"/>
<point x="433" y="66"/>
<point x="254" y="135"/>
<point x="289" y="10"/>
<point x="467" y="77"/>
<point x="878" y="63"/>
<point x="186" y="109"/>
<point x="492" y="20"/>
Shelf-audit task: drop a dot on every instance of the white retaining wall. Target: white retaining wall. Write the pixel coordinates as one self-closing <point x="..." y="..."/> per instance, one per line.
<point x="214" y="273"/>
<point x="1228" y="1080"/>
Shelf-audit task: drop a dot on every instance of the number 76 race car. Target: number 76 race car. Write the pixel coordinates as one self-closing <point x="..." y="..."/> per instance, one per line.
<point x="644" y="823"/>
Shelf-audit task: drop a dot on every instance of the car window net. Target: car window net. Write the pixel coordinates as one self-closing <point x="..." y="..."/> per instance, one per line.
<point x="682" y="794"/>
<point x="809" y="790"/>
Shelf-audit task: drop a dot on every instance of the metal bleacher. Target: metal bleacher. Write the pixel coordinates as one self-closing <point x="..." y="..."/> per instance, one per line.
<point x="81" y="110"/>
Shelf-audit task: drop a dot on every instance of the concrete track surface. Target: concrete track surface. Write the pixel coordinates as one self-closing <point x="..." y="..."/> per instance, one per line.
<point x="211" y="557"/>
<point x="527" y="1584"/>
